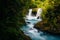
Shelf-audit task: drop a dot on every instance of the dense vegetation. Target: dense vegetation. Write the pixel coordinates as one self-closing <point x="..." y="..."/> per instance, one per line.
<point x="51" y="17"/>
<point x="11" y="19"/>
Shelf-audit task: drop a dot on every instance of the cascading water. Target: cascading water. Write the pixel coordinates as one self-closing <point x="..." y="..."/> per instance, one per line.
<point x="30" y="17"/>
<point x="29" y="14"/>
<point x="39" y="12"/>
<point x="30" y="11"/>
<point x="33" y="33"/>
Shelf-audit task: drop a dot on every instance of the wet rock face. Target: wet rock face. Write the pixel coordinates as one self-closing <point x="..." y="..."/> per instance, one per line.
<point x="28" y="22"/>
<point x="38" y="17"/>
<point x="34" y="13"/>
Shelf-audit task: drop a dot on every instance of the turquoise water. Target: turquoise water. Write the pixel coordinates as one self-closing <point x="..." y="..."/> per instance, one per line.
<point x="34" y="34"/>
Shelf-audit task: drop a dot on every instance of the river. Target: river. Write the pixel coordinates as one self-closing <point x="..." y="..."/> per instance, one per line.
<point x="34" y="34"/>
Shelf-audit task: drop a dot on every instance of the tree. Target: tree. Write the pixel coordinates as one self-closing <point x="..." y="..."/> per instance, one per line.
<point x="10" y="20"/>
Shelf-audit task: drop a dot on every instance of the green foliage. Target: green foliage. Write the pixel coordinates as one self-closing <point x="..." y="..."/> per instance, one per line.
<point x="50" y="15"/>
<point x="53" y="16"/>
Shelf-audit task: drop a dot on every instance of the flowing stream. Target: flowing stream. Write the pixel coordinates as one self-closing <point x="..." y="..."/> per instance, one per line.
<point x="33" y="33"/>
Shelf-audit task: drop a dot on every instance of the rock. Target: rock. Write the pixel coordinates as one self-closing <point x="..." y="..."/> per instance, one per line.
<point x="28" y="22"/>
<point x="47" y="27"/>
<point x="37" y="17"/>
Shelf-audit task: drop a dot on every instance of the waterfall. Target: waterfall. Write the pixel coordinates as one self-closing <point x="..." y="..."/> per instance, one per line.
<point x="29" y="29"/>
<point x="39" y="12"/>
<point x="29" y="16"/>
<point x="30" y="11"/>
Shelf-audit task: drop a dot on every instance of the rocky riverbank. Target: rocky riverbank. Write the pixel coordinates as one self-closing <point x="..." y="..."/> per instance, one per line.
<point x="47" y="27"/>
